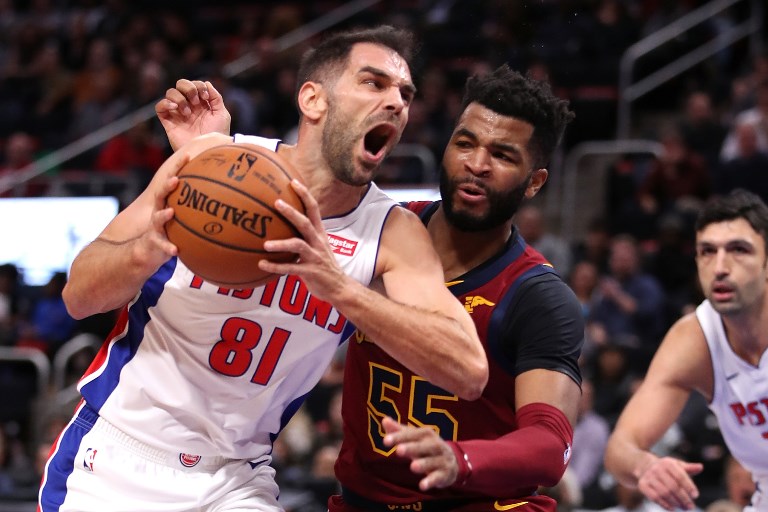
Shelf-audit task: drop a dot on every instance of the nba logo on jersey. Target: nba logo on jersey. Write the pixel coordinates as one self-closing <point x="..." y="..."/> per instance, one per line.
<point x="90" y="455"/>
<point x="188" y="460"/>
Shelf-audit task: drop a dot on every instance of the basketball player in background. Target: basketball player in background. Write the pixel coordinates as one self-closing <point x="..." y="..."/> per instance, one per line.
<point x="718" y="351"/>
<point x="170" y="420"/>
<point x="408" y="443"/>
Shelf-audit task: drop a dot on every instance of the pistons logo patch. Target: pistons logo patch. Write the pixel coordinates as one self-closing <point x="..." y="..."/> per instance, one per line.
<point x="189" y="461"/>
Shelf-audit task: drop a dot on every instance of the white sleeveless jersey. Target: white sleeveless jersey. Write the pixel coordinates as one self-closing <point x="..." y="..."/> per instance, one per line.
<point x="194" y="368"/>
<point x="740" y="402"/>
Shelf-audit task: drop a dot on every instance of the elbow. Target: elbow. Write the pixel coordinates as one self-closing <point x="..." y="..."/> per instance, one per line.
<point x="75" y="307"/>
<point x="474" y="379"/>
<point x="553" y="477"/>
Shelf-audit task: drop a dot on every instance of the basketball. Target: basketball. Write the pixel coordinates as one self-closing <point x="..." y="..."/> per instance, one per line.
<point x="224" y="212"/>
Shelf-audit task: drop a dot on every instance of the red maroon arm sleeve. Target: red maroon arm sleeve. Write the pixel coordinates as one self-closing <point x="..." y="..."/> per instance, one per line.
<point x="536" y="454"/>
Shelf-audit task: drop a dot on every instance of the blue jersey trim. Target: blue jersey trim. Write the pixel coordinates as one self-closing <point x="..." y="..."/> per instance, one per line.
<point x="122" y="352"/>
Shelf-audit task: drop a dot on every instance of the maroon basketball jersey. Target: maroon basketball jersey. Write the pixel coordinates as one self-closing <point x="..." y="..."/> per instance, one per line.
<point x="376" y="385"/>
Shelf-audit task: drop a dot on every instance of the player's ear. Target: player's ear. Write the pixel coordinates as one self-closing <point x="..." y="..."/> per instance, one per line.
<point x="312" y="100"/>
<point x="538" y="179"/>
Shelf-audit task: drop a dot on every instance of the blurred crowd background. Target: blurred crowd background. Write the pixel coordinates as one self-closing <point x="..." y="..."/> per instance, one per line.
<point x="71" y="68"/>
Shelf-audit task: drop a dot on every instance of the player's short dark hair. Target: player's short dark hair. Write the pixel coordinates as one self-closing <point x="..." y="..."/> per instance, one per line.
<point x="325" y="61"/>
<point x="509" y="93"/>
<point x="737" y="204"/>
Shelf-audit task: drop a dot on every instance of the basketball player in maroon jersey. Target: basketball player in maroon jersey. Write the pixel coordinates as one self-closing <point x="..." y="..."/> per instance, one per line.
<point x="409" y="445"/>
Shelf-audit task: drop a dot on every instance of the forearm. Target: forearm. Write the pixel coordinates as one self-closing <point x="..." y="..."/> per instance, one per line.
<point x="627" y="461"/>
<point x="433" y="345"/>
<point x="105" y="276"/>
<point x="534" y="455"/>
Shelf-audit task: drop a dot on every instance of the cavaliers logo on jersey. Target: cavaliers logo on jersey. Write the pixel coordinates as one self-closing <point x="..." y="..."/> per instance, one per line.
<point x="473" y="301"/>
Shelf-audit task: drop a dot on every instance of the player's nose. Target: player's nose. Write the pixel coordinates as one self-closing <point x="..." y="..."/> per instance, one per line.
<point x="479" y="162"/>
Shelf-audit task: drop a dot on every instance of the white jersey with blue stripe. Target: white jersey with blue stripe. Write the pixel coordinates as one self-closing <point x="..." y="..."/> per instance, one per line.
<point x="740" y="402"/>
<point x="199" y="369"/>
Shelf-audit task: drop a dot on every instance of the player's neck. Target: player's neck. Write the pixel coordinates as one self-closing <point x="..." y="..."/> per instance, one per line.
<point x="747" y="335"/>
<point x="461" y="251"/>
<point x="333" y="196"/>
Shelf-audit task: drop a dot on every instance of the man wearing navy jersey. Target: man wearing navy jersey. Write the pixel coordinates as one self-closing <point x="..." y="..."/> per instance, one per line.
<point x="410" y="445"/>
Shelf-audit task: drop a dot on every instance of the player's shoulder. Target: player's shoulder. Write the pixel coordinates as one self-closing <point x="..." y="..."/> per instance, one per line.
<point x="402" y="220"/>
<point x="687" y="327"/>
<point x="548" y="290"/>
<point x="683" y="356"/>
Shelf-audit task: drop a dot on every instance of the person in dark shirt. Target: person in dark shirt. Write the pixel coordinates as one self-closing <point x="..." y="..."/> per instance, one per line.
<point x="409" y="445"/>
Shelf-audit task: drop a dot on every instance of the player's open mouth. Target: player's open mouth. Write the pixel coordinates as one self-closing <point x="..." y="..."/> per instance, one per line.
<point x="468" y="189"/>
<point x="722" y="292"/>
<point x="377" y="140"/>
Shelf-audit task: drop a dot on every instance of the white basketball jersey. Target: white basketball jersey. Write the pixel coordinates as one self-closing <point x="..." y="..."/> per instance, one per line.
<point x="740" y="402"/>
<point x="194" y="368"/>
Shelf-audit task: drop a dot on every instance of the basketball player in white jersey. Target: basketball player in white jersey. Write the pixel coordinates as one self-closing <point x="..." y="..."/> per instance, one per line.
<point x="718" y="351"/>
<point x="181" y="405"/>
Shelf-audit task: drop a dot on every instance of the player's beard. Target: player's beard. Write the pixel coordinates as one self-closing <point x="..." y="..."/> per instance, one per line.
<point x="338" y="146"/>
<point x="501" y="205"/>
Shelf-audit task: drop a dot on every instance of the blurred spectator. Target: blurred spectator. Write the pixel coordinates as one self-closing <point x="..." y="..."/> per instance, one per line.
<point x="17" y="76"/>
<point x="134" y="153"/>
<point x="322" y="479"/>
<point x="590" y="435"/>
<point x="99" y="73"/>
<point x="18" y="479"/>
<point x="104" y="105"/>
<point x="677" y="182"/>
<point x="531" y="224"/>
<point x="197" y="60"/>
<point x="700" y="127"/>
<point x="583" y="280"/>
<point x="607" y="32"/>
<point x="749" y="167"/>
<point x="276" y="110"/>
<point x="9" y="303"/>
<point x="594" y="247"/>
<point x="744" y="86"/>
<point x="240" y="104"/>
<point x="148" y="85"/>
<point x="623" y="211"/>
<point x="672" y="262"/>
<point x="757" y="116"/>
<point x="612" y="381"/>
<point x="54" y="89"/>
<point x="630" y="304"/>
<point x="49" y="324"/>
<point x="19" y="152"/>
